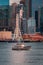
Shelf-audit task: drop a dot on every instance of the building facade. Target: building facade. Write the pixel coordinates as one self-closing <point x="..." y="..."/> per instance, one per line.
<point x="31" y="26"/>
<point x="4" y="17"/>
<point x="36" y="18"/>
<point x="27" y="8"/>
<point x="27" y="13"/>
<point x="40" y="19"/>
<point x="12" y="16"/>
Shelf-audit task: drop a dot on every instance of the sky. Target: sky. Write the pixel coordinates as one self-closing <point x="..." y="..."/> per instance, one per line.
<point x="4" y="2"/>
<point x="35" y="3"/>
<point x="12" y="1"/>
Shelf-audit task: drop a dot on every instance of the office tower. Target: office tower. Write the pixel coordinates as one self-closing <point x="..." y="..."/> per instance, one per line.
<point x="40" y="19"/>
<point x="36" y="18"/>
<point x="31" y="26"/>
<point x="24" y="27"/>
<point x="27" y="13"/>
<point x="12" y="19"/>
<point x="4" y="16"/>
<point x="27" y="8"/>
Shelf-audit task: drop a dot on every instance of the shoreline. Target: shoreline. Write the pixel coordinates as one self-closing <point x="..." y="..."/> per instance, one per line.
<point x="16" y="41"/>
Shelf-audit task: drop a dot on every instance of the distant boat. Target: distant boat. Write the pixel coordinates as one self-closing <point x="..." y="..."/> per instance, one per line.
<point x="19" y="46"/>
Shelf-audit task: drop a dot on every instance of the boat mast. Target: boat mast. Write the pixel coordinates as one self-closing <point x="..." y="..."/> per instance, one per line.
<point x="18" y="35"/>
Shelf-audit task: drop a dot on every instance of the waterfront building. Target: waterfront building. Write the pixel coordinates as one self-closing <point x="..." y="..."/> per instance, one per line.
<point x="27" y="13"/>
<point x="24" y="26"/>
<point x="4" y="17"/>
<point x="36" y="18"/>
<point x="40" y="19"/>
<point x="27" y="8"/>
<point x="14" y="9"/>
<point x="4" y="11"/>
<point x="9" y="16"/>
<point x="12" y="16"/>
<point x="31" y="25"/>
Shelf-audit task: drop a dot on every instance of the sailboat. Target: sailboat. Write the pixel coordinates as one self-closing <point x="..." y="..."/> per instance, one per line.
<point x="18" y="37"/>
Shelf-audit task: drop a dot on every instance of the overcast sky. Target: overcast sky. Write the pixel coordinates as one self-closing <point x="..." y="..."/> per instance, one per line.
<point x="12" y="1"/>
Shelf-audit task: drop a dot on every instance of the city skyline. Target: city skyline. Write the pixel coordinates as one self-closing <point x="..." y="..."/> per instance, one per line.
<point x="35" y="4"/>
<point x="28" y="23"/>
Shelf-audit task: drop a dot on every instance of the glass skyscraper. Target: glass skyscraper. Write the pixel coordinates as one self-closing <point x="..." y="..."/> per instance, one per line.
<point x="31" y="26"/>
<point x="41" y="20"/>
<point x="36" y="18"/>
<point x="4" y="14"/>
<point x="27" y="13"/>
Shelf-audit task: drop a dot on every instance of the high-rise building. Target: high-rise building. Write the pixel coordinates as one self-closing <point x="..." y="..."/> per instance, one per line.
<point x="24" y="27"/>
<point x="27" y="13"/>
<point x="12" y="16"/>
<point x="36" y="18"/>
<point x="27" y="8"/>
<point x="40" y="19"/>
<point x="31" y="26"/>
<point x="4" y="17"/>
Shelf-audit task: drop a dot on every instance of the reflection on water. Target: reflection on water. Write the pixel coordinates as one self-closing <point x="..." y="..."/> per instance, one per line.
<point x="34" y="56"/>
<point x="17" y="57"/>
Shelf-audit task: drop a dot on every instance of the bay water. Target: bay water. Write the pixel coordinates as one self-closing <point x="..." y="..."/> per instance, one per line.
<point x="34" y="56"/>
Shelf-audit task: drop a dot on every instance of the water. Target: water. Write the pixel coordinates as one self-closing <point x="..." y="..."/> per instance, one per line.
<point x="34" y="56"/>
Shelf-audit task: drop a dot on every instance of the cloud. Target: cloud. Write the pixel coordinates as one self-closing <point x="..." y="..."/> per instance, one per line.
<point x="13" y="1"/>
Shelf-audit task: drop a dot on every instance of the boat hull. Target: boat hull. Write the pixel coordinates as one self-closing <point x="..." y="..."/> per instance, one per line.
<point x="24" y="48"/>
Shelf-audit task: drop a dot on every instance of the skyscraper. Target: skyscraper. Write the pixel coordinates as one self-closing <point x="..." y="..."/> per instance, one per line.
<point x="40" y="19"/>
<point x="27" y="13"/>
<point x="27" y="8"/>
<point x="31" y="26"/>
<point x="36" y="18"/>
<point x="4" y="16"/>
<point x="12" y="16"/>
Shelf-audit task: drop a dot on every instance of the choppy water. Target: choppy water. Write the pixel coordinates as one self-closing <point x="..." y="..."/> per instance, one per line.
<point x="34" y="56"/>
